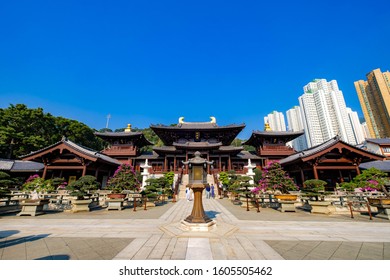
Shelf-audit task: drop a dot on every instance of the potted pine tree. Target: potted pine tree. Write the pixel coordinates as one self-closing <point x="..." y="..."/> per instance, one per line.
<point x="315" y="189"/>
<point x="82" y="190"/>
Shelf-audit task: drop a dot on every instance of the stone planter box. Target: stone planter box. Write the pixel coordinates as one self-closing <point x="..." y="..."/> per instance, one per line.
<point x="33" y="207"/>
<point x="379" y="200"/>
<point x="382" y="205"/>
<point x="115" y="204"/>
<point x="81" y="205"/>
<point x="321" y="207"/>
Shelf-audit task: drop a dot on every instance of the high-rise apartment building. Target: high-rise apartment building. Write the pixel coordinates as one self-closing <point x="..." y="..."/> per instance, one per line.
<point x="324" y="113"/>
<point x="276" y="121"/>
<point x="295" y="123"/>
<point x="374" y="97"/>
<point x="357" y="127"/>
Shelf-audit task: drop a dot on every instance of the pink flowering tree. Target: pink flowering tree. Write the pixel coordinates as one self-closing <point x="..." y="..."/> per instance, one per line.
<point x="274" y="178"/>
<point x="370" y="180"/>
<point x="124" y="178"/>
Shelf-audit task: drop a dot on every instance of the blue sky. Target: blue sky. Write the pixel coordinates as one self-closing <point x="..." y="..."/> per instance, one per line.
<point x="150" y="62"/>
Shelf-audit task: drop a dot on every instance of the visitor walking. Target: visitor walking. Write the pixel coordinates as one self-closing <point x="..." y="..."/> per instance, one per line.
<point x="212" y="191"/>
<point x="188" y="194"/>
<point x="208" y="191"/>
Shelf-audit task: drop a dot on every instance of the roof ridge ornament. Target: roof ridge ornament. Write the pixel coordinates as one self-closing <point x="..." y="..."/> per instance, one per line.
<point x="128" y="128"/>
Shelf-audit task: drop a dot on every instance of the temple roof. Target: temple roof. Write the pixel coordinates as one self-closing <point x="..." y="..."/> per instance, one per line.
<point x="197" y="132"/>
<point x="137" y="137"/>
<point x="378" y="164"/>
<point x="195" y="145"/>
<point x="379" y="141"/>
<point x="247" y="155"/>
<point x="20" y="166"/>
<point x="258" y="137"/>
<point x="65" y="143"/>
<point x="327" y="147"/>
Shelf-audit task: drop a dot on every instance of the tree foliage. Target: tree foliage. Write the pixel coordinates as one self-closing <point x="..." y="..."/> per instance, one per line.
<point x="23" y="130"/>
<point x="370" y="179"/>
<point x="274" y="178"/>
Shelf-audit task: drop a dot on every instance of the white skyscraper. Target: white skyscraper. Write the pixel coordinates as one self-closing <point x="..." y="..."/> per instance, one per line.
<point x="295" y="123"/>
<point x="324" y="113"/>
<point x="357" y="127"/>
<point x="276" y="121"/>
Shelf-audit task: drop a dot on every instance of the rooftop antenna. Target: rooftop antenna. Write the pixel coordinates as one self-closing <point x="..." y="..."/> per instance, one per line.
<point x="108" y="120"/>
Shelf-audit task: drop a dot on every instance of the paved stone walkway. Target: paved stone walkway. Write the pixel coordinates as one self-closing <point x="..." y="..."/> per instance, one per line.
<point x="157" y="234"/>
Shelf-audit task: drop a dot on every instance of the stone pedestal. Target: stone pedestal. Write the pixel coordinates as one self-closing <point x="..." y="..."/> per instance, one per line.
<point x="115" y="204"/>
<point x="287" y="205"/>
<point x="321" y="207"/>
<point x="33" y="207"/>
<point x="198" y="215"/>
<point x="383" y="211"/>
<point x="81" y="205"/>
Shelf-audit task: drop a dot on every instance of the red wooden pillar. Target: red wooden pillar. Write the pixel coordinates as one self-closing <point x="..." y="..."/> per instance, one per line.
<point x="315" y="171"/>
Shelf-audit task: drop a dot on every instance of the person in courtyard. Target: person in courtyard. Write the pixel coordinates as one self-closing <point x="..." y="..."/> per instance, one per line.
<point x="207" y="191"/>
<point x="188" y="194"/>
<point x="212" y="191"/>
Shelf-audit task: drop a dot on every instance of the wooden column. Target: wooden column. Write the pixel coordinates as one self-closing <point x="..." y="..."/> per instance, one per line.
<point x="165" y="168"/>
<point x="208" y="166"/>
<point x="220" y="164"/>
<point x="44" y="172"/>
<point x="174" y="163"/>
<point x="229" y="163"/>
<point x="302" y="176"/>
<point x="315" y="171"/>
<point x="84" y="170"/>
<point x="357" y="170"/>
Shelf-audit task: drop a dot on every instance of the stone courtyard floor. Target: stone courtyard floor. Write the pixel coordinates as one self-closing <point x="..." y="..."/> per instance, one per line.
<point x="157" y="234"/>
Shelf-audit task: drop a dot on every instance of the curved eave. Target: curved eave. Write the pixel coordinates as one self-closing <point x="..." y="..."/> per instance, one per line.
<point x="257" y="137"/>
<point x="196" y="127"/>
<point x="138" y="137"/>
<point x="197" y="145"/>
<point x="165" y="132"/>
<point x="74" y="148"/>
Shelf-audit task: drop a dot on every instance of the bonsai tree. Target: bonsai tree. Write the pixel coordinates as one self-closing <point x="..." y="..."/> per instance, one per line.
<point x="158" y="186"/>
<point x="124" y="178"/>
<point x="152" y="188"/>
<point x="275" y="179"/>
<point x="315" y="188"/>
<point x="242" y="186"/>
<point x="369" y="180"/>
<point x="6" y="182"/>
<point x="38" y="184"/>
<point x="83" y="186"/>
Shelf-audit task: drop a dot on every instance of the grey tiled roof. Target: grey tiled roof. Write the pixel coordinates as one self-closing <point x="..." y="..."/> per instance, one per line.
<point x="148" y="155"/>
<point x="6" y="164"/>
<point x="378" y="164"/>
<point x="247" y="155"/>
<point x="380" y="141"/>
<point x="20" y="165"/>
<point x="319" y="148"/>
<point x="119" y="134"/>
<point x="191" y="144"/>
<point x="90" y="152"/>
<point x="197" y="125"/>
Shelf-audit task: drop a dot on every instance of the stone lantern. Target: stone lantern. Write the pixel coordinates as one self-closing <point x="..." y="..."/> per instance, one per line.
<point x="197" y="167"/>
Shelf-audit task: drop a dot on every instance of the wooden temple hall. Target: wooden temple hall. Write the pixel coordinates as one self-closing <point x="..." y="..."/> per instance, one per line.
<point x="180" y="142"/>
<point x="331" y="161"/>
